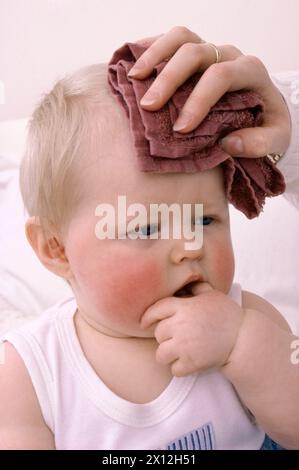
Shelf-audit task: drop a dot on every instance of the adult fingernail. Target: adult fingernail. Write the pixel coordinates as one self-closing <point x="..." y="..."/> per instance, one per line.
<point x="134" y="71"/>
<point x="150" y="97"/>
<point x="235" y="144"/>
<point x="183" y="121"/>
<point x="140" y="65"/>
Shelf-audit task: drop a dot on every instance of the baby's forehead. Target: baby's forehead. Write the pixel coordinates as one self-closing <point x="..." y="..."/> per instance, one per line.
<point x="109" y="120"/>
<point x="111" y="162"/>
<point x="110" y="129"/>
<point x="108" y="152"/>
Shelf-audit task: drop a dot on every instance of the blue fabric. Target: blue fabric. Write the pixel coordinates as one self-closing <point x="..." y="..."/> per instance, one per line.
<point x="268" y="444"/>
<point x="201" y="438"/>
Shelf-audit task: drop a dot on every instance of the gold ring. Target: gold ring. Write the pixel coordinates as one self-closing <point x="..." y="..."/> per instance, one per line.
<point x="217" y="52"/>
<point x="274" y="157"/>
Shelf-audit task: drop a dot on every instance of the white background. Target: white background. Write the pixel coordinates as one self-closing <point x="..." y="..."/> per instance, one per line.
<point x="41" y="40"/>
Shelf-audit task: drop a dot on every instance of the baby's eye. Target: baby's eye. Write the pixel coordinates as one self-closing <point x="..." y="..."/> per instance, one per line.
<point x="149" y="229"/>
<point x="145" y="230"/>
<point x="205" y="220"/>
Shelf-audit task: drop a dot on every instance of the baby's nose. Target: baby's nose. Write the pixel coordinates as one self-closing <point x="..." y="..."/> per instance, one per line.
<point x="181" y="251"/>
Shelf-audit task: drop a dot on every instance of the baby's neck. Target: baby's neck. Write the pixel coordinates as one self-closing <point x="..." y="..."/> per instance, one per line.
<point x="127" y="365"/>
<point x="82" y="321"/>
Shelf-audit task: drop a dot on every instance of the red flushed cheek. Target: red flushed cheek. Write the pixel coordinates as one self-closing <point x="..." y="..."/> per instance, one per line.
<point x="134" y="289"/>
<point x="223" y="266"/>
<point x="122" y="286"/>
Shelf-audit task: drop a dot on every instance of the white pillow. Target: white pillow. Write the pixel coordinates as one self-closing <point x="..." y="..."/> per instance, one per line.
<point x="26" y="287"/>
<point x="267" y="255"/>
<point x="266" y="252"/>
<point x="12" y="141"/>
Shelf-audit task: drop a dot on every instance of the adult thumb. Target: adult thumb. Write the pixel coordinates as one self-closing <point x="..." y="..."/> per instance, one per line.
<point x="255" y="142"/>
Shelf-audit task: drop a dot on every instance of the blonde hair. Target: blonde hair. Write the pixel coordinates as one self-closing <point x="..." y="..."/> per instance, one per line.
<point x="60" y="133"/>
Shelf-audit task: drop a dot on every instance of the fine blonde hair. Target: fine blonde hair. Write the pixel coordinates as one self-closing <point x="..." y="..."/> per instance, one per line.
<point x="60" y="133"/>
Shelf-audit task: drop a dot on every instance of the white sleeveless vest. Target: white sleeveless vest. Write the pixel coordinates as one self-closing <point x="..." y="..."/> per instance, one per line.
<point x="199" y="411"/>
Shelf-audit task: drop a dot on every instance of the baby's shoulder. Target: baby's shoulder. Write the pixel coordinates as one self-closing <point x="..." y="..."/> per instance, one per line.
<point x="255" y="302"/>
<point x="44" y="324"/>
<point x="22" y="425"/>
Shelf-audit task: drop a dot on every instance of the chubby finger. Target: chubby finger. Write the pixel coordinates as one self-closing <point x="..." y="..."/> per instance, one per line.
<point x="163" y="330"/>
<point x="180" y="368"/>
<point x="201" y="287"/>
<point x="160" y="310"/>
<point x="166" y="352"/>
<point x="257" y="141"/>
<point x="162" y="48"/>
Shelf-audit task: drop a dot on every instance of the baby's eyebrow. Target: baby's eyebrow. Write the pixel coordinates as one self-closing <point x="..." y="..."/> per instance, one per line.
<point x="214" y="206"/>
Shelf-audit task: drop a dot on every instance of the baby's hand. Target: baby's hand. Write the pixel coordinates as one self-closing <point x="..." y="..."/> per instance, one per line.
<point x="195" y="333"/>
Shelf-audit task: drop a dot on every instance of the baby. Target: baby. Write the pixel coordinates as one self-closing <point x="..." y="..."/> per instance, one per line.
<point x="158" y="348"/>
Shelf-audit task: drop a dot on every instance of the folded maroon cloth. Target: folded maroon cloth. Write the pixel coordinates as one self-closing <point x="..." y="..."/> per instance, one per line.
<point x="160" y="149"/>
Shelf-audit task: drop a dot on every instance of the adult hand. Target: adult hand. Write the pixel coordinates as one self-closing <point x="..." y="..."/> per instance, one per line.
<point x="187" y="53"/>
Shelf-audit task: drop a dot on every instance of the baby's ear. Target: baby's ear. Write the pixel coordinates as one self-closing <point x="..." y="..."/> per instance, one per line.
<point x="49" y="249"/>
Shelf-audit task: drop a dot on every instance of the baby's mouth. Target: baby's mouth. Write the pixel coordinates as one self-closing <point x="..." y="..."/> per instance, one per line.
<point x="185" y="291"/>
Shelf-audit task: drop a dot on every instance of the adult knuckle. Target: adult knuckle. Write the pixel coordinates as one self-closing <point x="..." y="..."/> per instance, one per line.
<point x="221" y="71"/>
<point x="190" y="48"/>
<point x="182" y="32"/>
<point x="232" y="50"/>
<point x="254" y="61"/>
<point x="259" y="145"/>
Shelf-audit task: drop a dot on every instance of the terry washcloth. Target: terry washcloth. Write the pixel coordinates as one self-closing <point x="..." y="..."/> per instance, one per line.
<point x="160" y="149"/>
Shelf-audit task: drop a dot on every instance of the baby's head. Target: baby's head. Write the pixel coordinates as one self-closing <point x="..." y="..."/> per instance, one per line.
<point x="80" y="154"/>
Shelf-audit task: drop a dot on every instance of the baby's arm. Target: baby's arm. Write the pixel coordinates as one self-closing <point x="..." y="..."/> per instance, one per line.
<point x="261" y="370"/>
<point x="251" y="345"/>
<point x="21" y="425"/>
